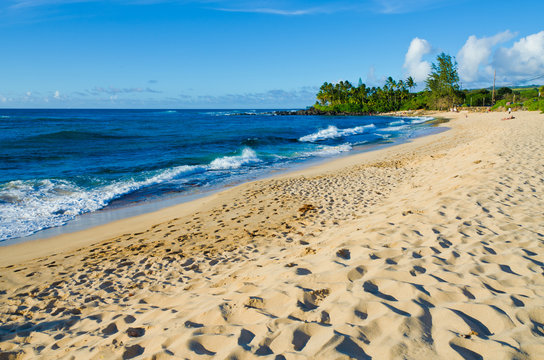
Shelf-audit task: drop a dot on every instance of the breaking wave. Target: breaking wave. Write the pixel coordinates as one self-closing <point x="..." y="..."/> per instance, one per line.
<point x="333" y="132"/>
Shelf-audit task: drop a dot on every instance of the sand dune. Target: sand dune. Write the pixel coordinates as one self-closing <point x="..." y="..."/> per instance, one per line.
<point x="432" y="249"/>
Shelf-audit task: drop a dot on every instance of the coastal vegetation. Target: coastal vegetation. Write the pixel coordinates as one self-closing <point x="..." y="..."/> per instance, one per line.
<point x="442" y="91"/>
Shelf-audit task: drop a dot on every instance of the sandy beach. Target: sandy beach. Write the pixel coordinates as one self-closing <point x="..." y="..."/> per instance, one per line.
<point x="432" y="249"/>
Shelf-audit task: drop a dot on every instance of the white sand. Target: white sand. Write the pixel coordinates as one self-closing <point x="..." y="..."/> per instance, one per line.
<point x="432" y="249"/>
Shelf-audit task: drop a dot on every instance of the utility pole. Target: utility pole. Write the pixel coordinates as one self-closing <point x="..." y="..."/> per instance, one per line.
<point x="493" y="96"/>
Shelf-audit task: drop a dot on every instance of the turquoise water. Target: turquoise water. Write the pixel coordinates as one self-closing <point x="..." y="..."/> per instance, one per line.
<point x="58" y="164"/>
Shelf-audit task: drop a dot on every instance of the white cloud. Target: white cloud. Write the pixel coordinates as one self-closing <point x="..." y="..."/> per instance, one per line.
<point x="300" y="97"/>
<point x="36" y="3"/>
<point x="114" y="91"/>
<point x="233" y="6"/>
<point x="414" y="64"/>
<point x="478" y="57"/>
<point x="276" y="11"/>
<point x="476" y="53"/>
<point x="57" y="94"/>
<point x="274" y="7"/>
<point x="408" y="6"/>
<point x="524" y="59"/>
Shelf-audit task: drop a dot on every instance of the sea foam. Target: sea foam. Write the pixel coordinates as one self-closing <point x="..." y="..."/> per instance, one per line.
<point x="421" y="119"/>
<point x="325" y="151"/>
<point x="393" y="128"/>
<point x="32" y="205"/>
<point x="333" y="132"/>
<point x="247" y="157"/>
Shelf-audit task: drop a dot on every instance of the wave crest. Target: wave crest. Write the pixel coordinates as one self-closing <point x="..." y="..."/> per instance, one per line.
<point x="247" y="157"/>
<point x="325" y="151"/>
<point x="333" y="132"/>
<point x="32" y="205"/>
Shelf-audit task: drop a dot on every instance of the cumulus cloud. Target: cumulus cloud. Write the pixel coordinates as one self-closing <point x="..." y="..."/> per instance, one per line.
<point x="475" y="54"/>
<point x="524" y="59"/>
<point x="57" y="94"/>
<point x="480" y="56"/>
<point x="414" y="64"/>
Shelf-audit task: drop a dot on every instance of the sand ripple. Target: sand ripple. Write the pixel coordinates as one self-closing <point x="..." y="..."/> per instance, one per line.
<point x="435" y="251"/>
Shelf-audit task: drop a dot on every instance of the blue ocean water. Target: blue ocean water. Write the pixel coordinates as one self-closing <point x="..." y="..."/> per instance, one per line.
<point x="57" y="164"/>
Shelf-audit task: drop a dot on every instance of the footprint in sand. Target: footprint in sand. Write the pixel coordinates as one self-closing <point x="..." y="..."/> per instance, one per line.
<point x="133" y="351"/>
<point x="356" y="274"/>
<point x="110" y="329"/>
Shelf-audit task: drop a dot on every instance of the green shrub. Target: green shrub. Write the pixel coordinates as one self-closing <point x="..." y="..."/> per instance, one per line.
<point x="498" y="104"/>
<point x="534" y="104"/>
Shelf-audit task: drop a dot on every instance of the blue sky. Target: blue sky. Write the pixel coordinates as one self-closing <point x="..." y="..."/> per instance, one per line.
<point x="249" y="54"/>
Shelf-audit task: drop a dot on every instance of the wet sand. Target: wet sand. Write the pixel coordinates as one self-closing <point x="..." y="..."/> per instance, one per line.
<point x="430" y="249"/>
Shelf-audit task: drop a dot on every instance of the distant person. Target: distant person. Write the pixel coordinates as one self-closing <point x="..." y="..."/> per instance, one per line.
<point x="509" y="110"/>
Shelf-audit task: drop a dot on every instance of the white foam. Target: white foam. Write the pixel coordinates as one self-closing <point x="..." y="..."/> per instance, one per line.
<point x="32" y="205"/>
<point x="325" y="151"/>
<point x="393" y="128"/>
<point x="421" y="119"/>
<point x="333" y="132"/>
<point x="398" y="122"/>
<point x="234" y="162"/>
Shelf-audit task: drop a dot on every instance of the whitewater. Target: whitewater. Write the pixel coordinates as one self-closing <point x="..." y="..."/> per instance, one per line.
<point x="56" y="165"/>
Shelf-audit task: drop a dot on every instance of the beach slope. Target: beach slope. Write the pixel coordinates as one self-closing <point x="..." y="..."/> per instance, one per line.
<point x="430" y="249"/>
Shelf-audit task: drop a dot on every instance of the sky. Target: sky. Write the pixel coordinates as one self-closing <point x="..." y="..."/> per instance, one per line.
<point x="251" y="54"/>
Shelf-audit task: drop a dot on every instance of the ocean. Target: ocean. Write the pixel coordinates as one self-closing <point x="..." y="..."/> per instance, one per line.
<point x="58" y="164"/>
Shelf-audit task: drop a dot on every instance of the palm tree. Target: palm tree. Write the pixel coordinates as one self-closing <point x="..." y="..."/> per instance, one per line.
<point x="402" y="91"/>
<point x="391" y="86"/>
<point x="410" y="83"/>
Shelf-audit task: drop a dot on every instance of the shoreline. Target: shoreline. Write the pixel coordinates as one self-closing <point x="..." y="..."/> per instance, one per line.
<point x="42" y="246"/>
<point x="432" y="248"/>
<point x="108" y="215"/>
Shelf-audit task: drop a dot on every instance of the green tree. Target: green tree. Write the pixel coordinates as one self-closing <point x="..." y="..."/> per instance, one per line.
<point x="541" y="91"/>
<point x="410" y="83"/>
<point x="344" y="97"/>
<point x="443" y="82"/>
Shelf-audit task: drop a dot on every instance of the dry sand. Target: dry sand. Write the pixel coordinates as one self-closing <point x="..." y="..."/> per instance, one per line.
<point x="431" y="249"/>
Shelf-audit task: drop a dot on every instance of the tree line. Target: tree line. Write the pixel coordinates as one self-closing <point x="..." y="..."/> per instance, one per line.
<point x="442" y="91"/>
<point x="344" y="97"/>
